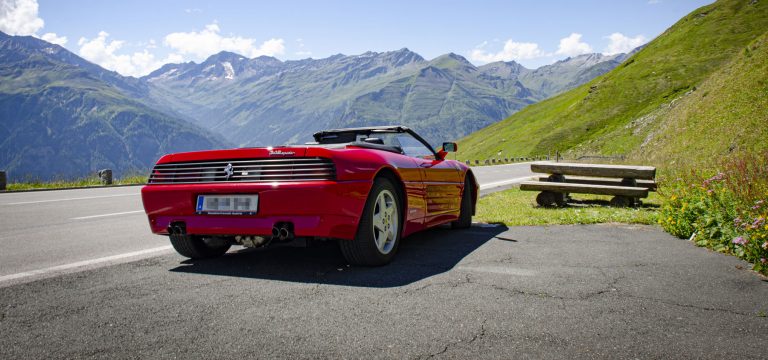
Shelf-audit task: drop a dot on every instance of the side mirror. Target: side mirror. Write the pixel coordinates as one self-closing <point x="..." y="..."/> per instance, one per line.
<point x="450" y="147"/>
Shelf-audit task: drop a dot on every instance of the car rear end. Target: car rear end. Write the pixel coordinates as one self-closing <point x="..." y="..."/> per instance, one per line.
<point x="253" y="194"/>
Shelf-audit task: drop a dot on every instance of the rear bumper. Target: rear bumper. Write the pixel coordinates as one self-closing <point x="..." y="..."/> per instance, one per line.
<point x="317" y="208"/>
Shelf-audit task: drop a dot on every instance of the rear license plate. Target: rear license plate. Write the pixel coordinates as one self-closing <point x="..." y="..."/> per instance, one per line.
<point x="227" y="204"/>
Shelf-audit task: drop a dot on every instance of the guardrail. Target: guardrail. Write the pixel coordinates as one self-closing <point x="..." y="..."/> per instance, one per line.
<point x="507" y="160"/>
<point x="556" y="157"/>
<point x="105" y="177"/>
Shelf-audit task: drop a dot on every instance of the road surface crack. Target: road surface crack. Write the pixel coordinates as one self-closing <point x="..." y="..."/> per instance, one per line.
<point x="453" y="284"/>
<point x="479" y="334"/>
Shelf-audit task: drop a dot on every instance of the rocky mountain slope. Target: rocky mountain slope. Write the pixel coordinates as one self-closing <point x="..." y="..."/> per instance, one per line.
<point x="61" y="116"/>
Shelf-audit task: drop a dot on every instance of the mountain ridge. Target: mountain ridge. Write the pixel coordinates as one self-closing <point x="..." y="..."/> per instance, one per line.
<point x="351" y="90"/>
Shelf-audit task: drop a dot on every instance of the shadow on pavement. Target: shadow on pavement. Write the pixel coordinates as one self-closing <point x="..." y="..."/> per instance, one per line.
<point x="420" y="256"/>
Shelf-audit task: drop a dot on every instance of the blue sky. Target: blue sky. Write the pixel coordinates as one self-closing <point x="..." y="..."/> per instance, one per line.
<point x="135" y="37"/>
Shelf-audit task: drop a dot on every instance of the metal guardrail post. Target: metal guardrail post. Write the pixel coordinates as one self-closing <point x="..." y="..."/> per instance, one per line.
<point x="3" y="180"/>
<point x="106" y="176"/>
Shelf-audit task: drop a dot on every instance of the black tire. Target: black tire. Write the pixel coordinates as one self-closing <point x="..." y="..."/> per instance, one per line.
<point x="465" y="214"/>
<point x="363" y="250"/>
<point x="194" y="247"/>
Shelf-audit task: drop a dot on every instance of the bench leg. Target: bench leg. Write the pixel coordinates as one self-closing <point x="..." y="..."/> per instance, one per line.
<point x="551" y="199"/>
<point x="566" y="196"/>
<point x="624" y="201"/>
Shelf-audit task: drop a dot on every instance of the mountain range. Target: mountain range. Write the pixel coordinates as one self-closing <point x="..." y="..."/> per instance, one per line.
<point x="265" y="101"/>
<point x="62" y="116"/>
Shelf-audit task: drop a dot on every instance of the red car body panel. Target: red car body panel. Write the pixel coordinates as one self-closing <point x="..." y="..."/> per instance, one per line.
<point x="328" y="209"/>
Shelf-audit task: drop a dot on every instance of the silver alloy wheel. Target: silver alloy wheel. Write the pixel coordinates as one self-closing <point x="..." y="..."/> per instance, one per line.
<point x="385" y="221"/>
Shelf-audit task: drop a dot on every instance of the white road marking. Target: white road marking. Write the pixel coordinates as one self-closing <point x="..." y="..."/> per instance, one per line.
<point x="84" y="263"/>
<point x="105" y="215"/>
<point x="69" y="199"/>
<point x="504" y="182"/>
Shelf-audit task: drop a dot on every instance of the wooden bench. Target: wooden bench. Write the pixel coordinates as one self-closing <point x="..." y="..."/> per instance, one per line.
<point x="648" y="184"/>
<point x="626" y="183"/>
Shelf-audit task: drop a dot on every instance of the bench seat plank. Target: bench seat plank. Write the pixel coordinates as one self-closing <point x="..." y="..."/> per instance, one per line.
<point x="599" y="170"/>
<point x="648" y="184"/>
<point x="635" y="192"/>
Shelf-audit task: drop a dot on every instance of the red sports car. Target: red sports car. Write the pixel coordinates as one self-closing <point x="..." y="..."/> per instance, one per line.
<point x="365" y="187"/>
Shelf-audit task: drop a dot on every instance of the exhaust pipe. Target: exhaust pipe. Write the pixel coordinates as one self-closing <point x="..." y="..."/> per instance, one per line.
<point x="177" y="229"/>
<point x="282" y="231"/>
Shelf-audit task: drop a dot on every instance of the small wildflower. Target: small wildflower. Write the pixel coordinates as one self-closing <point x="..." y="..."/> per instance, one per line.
<point x="765" y="245"/>
<point x="763" y="261"/>
<point x="673" y="197"/>
<point x="709" y="192"/>
<point x="739" y="241"/>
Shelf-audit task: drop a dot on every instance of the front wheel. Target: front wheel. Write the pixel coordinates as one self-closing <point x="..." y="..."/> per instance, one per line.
<point x="378" y="234"/>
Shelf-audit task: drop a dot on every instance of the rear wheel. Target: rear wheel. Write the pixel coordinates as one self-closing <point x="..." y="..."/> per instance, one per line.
<point x="378" y="234"/>
<point x="196" y="247"/>
<point x="465" y="214"/>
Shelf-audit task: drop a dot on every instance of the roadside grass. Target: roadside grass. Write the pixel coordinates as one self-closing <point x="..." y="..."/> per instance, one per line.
<point x="724" y="208"/>
<point x="74" y="183"/>
<point x="515" y="208"/>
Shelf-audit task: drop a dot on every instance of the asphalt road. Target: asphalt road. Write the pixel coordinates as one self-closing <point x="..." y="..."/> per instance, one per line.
<point x="600" y="291"/>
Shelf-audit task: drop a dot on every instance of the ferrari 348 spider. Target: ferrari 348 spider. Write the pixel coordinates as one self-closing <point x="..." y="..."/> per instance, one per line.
<point x="365" y="187"/>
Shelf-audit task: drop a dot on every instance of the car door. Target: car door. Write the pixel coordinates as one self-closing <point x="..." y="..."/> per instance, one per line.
<point x="442" y="180"/>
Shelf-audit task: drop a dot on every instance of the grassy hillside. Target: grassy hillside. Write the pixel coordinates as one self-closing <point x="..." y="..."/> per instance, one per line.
<point x="630" y="109"/>
<point x="728" y="113"/>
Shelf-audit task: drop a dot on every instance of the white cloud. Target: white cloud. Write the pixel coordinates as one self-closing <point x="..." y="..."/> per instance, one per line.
<point x="572" y="46"/>
<point x="208" y="42"/>
<point x="620" y="43"/>
<point x="54" y="39"/>
<point x="193" y="10"/>
<point x="19" y="17"/>
<point x="105" y="53"/>
<point x="512" y="51"/>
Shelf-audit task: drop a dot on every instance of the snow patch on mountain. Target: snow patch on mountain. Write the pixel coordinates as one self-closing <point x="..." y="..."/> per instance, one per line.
<point x="230" y="71"/>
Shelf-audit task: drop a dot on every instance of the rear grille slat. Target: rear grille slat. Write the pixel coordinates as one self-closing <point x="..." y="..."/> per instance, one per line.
<point x="256" y="170"/>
